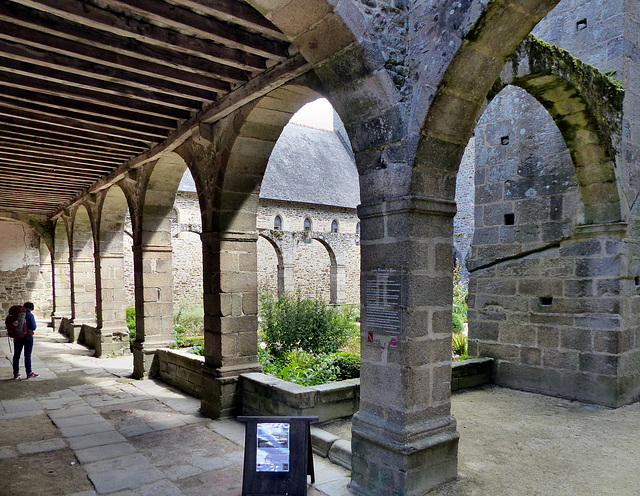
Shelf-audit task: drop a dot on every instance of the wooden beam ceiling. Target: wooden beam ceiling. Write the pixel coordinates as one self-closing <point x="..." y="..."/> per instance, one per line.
<point x="90" y="88"/>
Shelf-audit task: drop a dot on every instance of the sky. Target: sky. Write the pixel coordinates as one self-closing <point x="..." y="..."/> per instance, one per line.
<point x="318" y="114"/>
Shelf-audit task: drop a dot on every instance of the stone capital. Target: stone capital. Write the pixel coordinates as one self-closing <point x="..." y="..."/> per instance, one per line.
<point x="408" y="204"/>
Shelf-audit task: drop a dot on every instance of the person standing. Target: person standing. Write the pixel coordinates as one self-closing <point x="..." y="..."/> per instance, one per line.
<point x="26" y="344"/>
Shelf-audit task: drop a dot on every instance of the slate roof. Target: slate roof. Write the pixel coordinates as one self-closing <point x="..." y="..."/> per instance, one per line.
<point x="307" y="165"/>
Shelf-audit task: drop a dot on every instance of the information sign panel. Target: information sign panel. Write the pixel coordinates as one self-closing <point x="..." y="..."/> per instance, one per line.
<point x="277" y="456"/>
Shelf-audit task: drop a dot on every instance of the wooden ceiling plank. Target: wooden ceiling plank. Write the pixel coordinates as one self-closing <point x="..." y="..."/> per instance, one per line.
<point x="134" y="130"/>
<point x="45" y="41"/>
<point x="71" y="137"/>
<point x="52" y="177"/>
<point x="73" y="163"/>
<point x="88" y="83"/>
<point x="191" y="24"/>
<point x="56" y="89"/>
<point x="234" y="12"/>
<point x="97" y="18"/>
<point x="101" y="72"/>
<point x="100" y="111"/>
<point x="166" y="58"/>
<point x="42" y="151"/>
<point x="78" y="127"/>
<point x="52" y="144"/>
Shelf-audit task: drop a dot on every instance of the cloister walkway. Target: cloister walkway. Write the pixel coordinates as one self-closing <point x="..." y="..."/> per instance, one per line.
<point x="85" y="428"/>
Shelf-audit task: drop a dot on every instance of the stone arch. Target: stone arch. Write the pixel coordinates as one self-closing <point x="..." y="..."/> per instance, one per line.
<point x="587" y="108"/>
<point x="83" y="268"/>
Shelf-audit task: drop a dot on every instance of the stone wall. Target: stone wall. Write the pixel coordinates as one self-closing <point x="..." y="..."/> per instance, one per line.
<point x="547" y="293"/>
<point x="25" y="270"/>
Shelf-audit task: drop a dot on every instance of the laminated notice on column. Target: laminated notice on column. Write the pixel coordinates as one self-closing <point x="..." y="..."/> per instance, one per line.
<point x="383" y="302"/>
<point x="273" y="447"/>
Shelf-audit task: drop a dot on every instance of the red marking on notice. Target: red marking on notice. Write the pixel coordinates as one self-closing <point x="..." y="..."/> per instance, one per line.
<point x="370" y="337"/>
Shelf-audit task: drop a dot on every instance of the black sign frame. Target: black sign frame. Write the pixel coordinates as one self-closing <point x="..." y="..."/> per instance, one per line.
<point x="290" y="483"/>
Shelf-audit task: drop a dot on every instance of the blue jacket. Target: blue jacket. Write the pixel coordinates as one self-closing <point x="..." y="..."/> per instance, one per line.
<point x="31" y="322"/>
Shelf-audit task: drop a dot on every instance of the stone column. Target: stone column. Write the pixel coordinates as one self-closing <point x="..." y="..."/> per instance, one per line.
<point x="338" y="281"/>
<point x="84" y="290"/>
<point x="61" y="290"/>
<point x="286" y="282"/>
<point x="231" y="318"/>
<point x="154" y="304"/>
<point x="112" y="303"/>
<point x="405" y="440"/>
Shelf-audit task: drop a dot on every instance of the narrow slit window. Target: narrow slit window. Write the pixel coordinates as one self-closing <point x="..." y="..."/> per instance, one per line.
<point x="581" y="24"/>
<point x="277" y="223"/>
<point x="334" y="226"/>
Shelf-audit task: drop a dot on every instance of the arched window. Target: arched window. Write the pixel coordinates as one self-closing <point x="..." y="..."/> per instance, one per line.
<point x="174" y="216"/>
<point x="334" y="226"/>
<point x="277" y="223"/>
<point x="307" y="230"/>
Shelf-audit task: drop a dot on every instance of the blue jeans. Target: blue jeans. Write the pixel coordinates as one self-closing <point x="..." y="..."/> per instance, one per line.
<point x="19" y="344"/>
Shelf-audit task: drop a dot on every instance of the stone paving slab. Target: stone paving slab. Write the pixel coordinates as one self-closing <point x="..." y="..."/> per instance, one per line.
<point x="99" y="453"/>
<point x="41" y="446"/>
<point x="76" y="410"/>
<point x="87" y="429"/>
<point x="18" y="406"/>
<point x="93" y="440"/>
<point x="8" y="452"/>
<point x="229" y="429"/>
<point x="134" y="430"/>
<point x="10" y="416"/>
<point x="77" y="421"/>
<point x="125" y="472"/>
<point x="160" y="488"/>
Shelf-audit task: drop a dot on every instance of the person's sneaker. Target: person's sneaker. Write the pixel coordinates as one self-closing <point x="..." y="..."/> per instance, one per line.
<point x="32" y="375"/>
<point x="17" y="376"/>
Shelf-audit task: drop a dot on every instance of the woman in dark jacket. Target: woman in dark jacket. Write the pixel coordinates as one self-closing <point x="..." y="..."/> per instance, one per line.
<point x="25" y="343"/>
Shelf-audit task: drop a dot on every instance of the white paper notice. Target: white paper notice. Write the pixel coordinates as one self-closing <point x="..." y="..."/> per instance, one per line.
<point x="273" y="448"/>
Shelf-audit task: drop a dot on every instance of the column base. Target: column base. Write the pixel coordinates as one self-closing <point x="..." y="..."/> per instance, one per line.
<point x="221" y="390"/>
<point x="382" y="466"/>
<point x="144" y="362"/>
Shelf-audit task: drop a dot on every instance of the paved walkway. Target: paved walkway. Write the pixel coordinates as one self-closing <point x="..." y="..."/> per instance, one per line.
<point x="84" y="428"/>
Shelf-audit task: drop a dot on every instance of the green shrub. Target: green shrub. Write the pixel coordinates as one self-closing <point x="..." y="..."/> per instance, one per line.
<point x="308" y="369"/>
<point x="459" y="346"/>
<point x="460" y="293"/>
<point x="292" y="323"/>
<point x="348" y="365"/>
<point x="188" y="320"/>
<point x="130" y="316"/>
